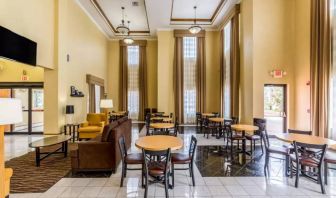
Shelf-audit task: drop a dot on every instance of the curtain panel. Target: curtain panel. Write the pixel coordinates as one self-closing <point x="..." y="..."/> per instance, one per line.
<point x="320" y="66"/>
<point x="123" y="78"/>
<point x="92" y="81"/>
<point x="178" y="78"/>
<point x="143" y="94"/>
<point x="233" y="17"/>
<point x="178" y="72"/>
<point x="235" y="65"/>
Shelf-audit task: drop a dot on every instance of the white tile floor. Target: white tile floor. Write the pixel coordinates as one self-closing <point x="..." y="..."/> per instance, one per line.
<point x="205" y="186"/>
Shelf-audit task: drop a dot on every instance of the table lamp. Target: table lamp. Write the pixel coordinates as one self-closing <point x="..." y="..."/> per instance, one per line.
<point x="69" y="111"/>
<point x="106" y="104"/>
<point x="10" y="113"/>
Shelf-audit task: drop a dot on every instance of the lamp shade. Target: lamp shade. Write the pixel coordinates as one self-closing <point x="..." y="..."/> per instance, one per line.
<point x="106" y="103"/>
<point x="10" y="111"/>
<point x="69" y="109"/>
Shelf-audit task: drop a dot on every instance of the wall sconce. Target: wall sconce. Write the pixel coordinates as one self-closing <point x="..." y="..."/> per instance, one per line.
<point x="278" y="73"/>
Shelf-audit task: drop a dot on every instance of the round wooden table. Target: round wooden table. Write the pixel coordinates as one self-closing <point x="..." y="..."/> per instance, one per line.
<point x="207" y="114"/>
<point x="216" y="120"/>
<point x="243" y="128"/>
<point x="164" y="119"/>
<point x="307" y="139"/>
<point x="162" y="125"/>
<point x="159" y="142"/>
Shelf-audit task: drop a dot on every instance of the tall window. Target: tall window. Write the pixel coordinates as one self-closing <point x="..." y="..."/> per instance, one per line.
<point x="227" y="70"/>
<point x="332" y="117"/>
<point x="189" y="78"/>
<point x="98" y="93"/>
<point x="133" y="82"/>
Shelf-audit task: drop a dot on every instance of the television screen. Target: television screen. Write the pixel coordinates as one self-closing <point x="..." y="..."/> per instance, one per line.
<point x="16" y="47"/>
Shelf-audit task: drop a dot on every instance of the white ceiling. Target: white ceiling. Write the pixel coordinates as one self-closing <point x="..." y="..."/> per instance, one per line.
<point x="153" y="15"/>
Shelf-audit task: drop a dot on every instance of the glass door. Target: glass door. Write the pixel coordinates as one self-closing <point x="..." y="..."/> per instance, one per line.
<point x="32" y="98"/>
<point x="275" y="100"/>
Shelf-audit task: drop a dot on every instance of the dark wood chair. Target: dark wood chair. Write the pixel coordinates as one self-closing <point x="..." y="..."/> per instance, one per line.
<point x="329" y="158"/>
<point x="226" y="127"/>
<point x="199" y="120"/>
<point x="146" y="111"/>
<point x="147" y="123"/>
<point x="232" y="136"/>
<point x="154" y="110"/>
<point x="175" y="129"/>
<point x="269" y="150"/>
<point x="182" y="158"/>
<point x="309" y="156"/>
<point x="261" y="124"/>
<point x="132" y="158"/>
<point x="235" y="120"/>
<point x="157" y="165"/>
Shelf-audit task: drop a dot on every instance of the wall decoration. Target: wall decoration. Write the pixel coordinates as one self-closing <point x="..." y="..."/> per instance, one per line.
<point x="278" y="73"/>
<point x="75" y="93"/>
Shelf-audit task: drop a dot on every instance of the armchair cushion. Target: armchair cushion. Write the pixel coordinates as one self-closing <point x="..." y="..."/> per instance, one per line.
<point x="90" y="129"/>
<point x="8" y="175"/>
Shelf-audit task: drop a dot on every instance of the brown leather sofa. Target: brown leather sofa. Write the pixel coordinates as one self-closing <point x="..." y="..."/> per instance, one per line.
<point x="102" y="153"/>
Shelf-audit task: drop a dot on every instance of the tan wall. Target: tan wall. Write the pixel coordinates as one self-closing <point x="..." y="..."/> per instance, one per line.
<point x="165" y="71"/>
<point x="113" y="73"/>
<point x="302" y="64"/>
<point x="32" y="19"/>
<point x="12" y="72"/>
<point x="87" y="48"/>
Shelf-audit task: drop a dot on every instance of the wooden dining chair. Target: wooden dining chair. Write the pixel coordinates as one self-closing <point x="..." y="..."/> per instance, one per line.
<point x="147" y="123"/>
<point x="132" y="158"/>
<point x="232" y="137"/>
<point x="185" y="158"/>
<point x="269" y="150"/>
<point x="157" y="166"/>
<point x="329" y="158"/>
<point x="308" y="156"/>
<point x="261" y="124"/>
<point x="199" y="120"/>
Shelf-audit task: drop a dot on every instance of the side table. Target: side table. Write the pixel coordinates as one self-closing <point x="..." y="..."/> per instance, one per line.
<point x="71" y="129"/>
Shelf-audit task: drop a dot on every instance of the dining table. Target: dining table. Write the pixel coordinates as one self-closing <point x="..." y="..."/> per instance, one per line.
<point x="159" y="142"/>
<point x="307" y="139"/>
<point x="162" y="119"/>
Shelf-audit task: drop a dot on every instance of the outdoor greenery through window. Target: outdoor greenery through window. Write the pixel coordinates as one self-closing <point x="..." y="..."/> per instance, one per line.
<point x="189" y="78"/>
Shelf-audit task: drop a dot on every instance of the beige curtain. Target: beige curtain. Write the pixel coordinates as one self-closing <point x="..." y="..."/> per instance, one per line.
<point x="92" y="82"/>
<point x="142" y="81"/>
<point x="178" y="78"/>
<point x="221" y="64"/>
<point x="320" y="63"/>
<point x="200" y="78"/>
<point x="178" y="72"/>
<point x="235" y="65"/>
<point x="123" y="78"/>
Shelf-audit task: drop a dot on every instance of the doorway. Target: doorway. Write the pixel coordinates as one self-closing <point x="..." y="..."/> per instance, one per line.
<point x="32" y="99"/>
<point x="275" y="108"/>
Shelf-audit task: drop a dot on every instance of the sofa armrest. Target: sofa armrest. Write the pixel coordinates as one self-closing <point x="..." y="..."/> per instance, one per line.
<point x="97" y="155"/>
<point x="84" y="124"/>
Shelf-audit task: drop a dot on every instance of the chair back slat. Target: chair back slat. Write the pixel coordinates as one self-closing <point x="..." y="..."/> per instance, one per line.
<point x="160" y="159"/>
<point x="192" y="148"/>
<point x="122" y="147"/>
<point x="312" y="152"/>
<point x="261" y="124"/>
<point x="294" y="131"/>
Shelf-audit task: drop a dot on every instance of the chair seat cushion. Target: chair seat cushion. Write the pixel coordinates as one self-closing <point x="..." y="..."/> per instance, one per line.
<point x="134" y="158"/>
<point x="278" y="150"/>
<point x="89" y="129"/>
<point x="237" y="137"/>
<point x="180" y="158"/>
<point x="304" y="161"/>
<point x="330" y="157"/>
<point x="157" y="169"/>
<point x="253" y="137"/>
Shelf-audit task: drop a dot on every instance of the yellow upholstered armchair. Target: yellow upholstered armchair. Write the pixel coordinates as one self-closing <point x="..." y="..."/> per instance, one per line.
<point x="8" y="175"/>
<point x="94" y="125"/>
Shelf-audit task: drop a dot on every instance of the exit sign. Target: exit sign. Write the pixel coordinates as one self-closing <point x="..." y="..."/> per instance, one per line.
<point x="24" y="78"/>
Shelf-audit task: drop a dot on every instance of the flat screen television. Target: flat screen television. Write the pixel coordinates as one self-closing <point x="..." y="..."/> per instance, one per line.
<point x="16" y="47"/>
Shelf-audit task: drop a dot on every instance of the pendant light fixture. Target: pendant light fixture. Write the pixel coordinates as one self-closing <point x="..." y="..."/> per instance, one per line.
<point x="122" y="28"/>
<point x="194" y="29"/>
<point x="128" y="40"/>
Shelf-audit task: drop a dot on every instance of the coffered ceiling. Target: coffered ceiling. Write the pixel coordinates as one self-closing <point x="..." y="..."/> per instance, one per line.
<point x="148" y="16"/>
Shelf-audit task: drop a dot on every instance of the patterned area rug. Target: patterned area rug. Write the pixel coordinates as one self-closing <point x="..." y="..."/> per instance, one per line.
<point x="28" y="178"/>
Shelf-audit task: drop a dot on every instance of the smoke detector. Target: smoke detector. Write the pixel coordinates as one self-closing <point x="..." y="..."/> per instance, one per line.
<point x="135" y="3"/>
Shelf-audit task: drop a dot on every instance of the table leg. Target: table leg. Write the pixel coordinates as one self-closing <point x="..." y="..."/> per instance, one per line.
<point x="65" y="148"/>
<point x="37" y="151"/>
<point x="244" y="142"/>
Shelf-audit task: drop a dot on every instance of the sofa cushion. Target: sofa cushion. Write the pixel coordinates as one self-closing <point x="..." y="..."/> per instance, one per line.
<point x="90" y="129"/>
<point x="105" y="137"/>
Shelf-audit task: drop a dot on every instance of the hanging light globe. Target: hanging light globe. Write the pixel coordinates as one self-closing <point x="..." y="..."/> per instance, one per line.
<point x="128" y="40"/>
<point x="194" y="29"/>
